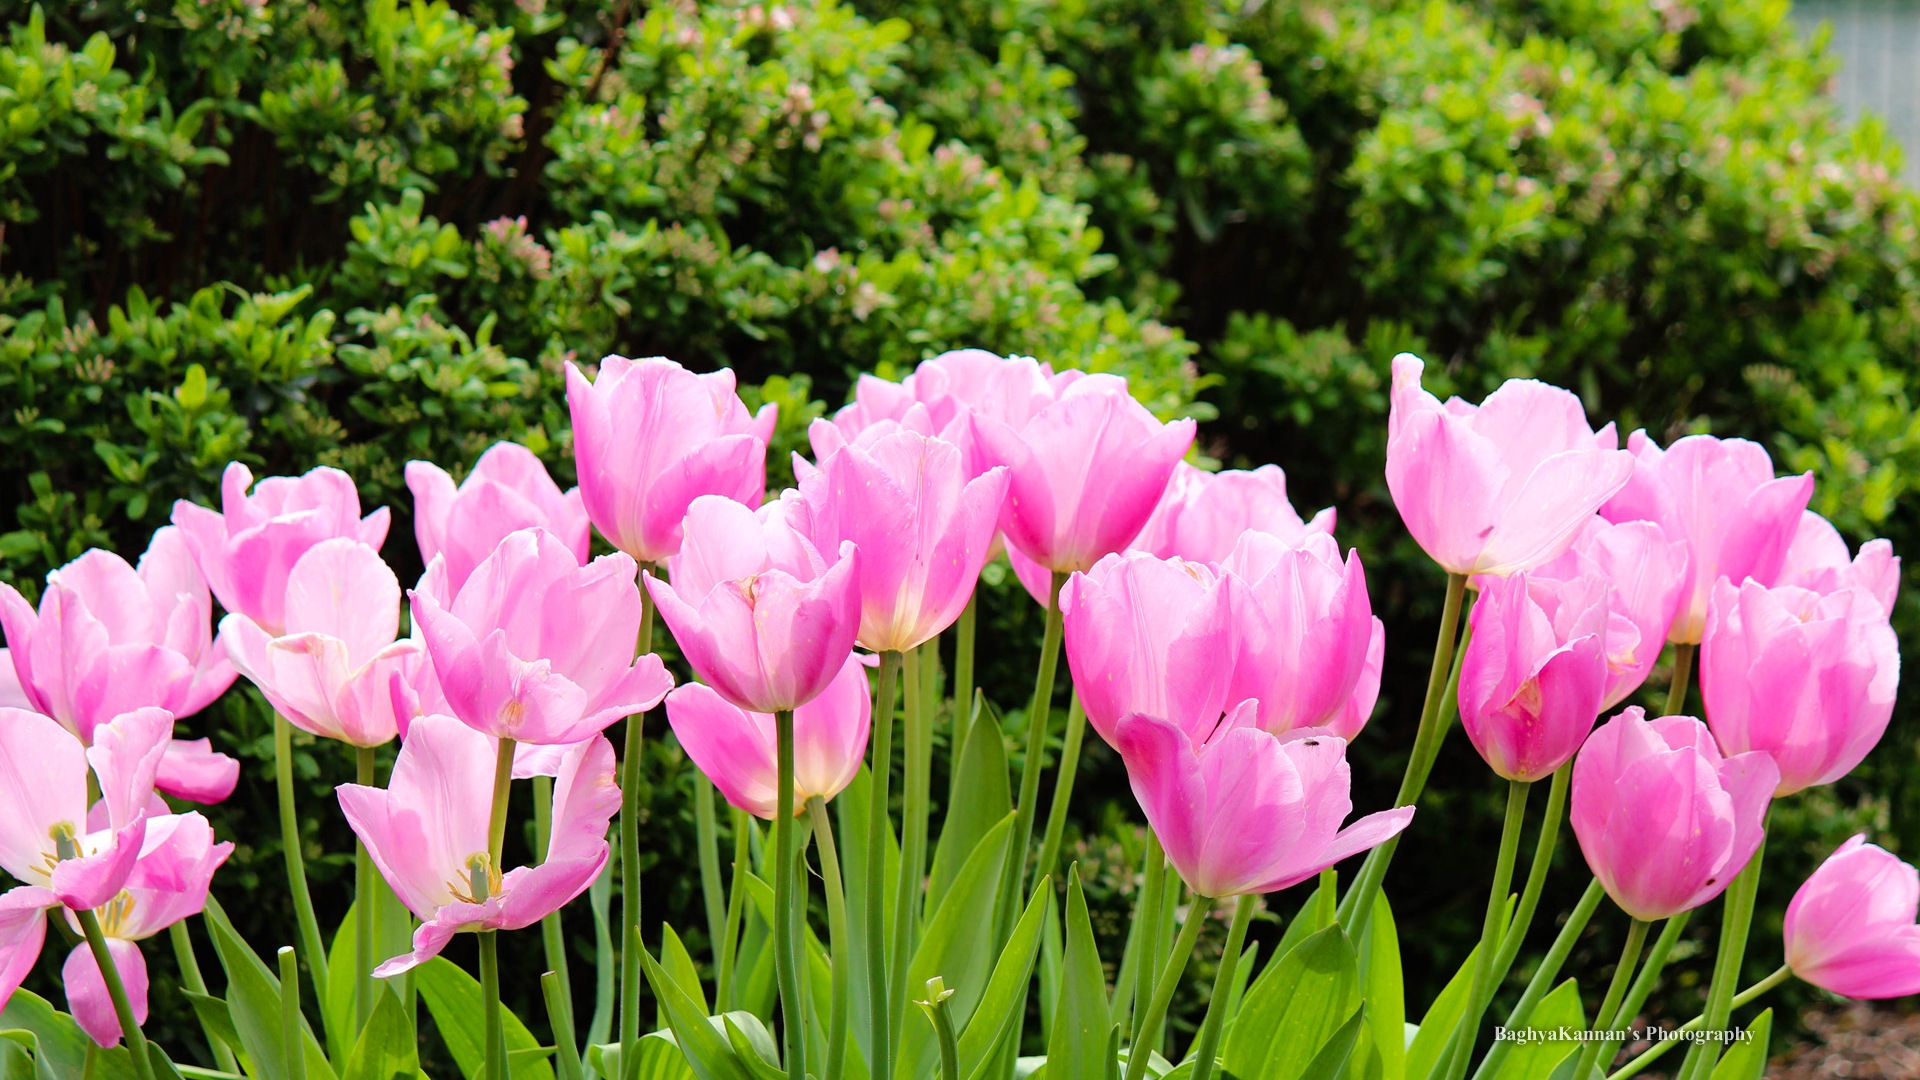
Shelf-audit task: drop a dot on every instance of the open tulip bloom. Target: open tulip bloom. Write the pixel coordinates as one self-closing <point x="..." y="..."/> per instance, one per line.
<point x="1850" y="929"/>
<point x="1535" y="671"/>
<point x="508" y="490"/>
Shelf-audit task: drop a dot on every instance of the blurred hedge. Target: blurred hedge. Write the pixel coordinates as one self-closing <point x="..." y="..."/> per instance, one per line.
<point x="353" y="234"/>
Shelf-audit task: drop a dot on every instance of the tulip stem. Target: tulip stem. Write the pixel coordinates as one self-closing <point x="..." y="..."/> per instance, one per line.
<point x="363" y="875"/>
<point x="196" y="983"/>
<point x="1442" y="679"/>
<point x="785" y="955"/>
<point x="495" y="1035"/>
<point x="1516" y="933"/>
<point x="502" y="793"/>
<point x="552" y="937"/>
<point x="1036" y="751"/>
<point x="1653" y="1053"/>
<point x="1735" y="920"/>
<point x="1682" y="672"/>
<point x="878" y="829"/>
<point x="838" y="938"/>
<point x="1603" y="1018"/>
<point x="1146" y="930"/>
<point x="730" y="936"/>
<point x="1543" y="976"/>
<point x="1147" y="1032"/>
<point x="291" y="1044"/>
<point x="1063" y="788"/>
<point x="1493" y="928"/>
<point x="1643" y="983"/>
<point x="560" y="1015"/>
<point x="315" y="953"/>
<point x="630" y="856"/>
<point x="915" y="784"/>
<point x="963" y="670"/>
<point x="1208" y="1043"/>
<point x="117" y="990"/>
<point x="707" y="831"/>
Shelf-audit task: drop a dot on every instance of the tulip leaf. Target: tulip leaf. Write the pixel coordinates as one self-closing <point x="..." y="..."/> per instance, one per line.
<point x="393" y="934"/>
<point x="851" y="824"/>
<point x="1382" y="1051"/>
<point x="386" y="1049"/>
<point x="755" y="1049"/>
<point x="680" y="968"/>
<point x="957" y="947"/>
<point x="218" y="1019"/>
<point x="253" y="999"/>
<point x="60" y="1047"/>
<point x="1561" y="1008"/>
<point x="453" y="998"/>
<point x="1436" y="1028"/>
<point x="660" y="1058"/>
<point x="1747" y="1060"/>
<point x="1331" y="1062"/>
<point x="986" y="1033"/>
<point x="707" y="1050"/>
<point x="1077" y="1045"/>
<point x="1297" y="1005"/>
<point x="982" y="796"/>
<point x="1305" y="922"/>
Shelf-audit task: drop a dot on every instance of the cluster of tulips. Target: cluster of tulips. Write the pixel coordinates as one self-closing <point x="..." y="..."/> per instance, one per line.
<point x="1218" y="641"/>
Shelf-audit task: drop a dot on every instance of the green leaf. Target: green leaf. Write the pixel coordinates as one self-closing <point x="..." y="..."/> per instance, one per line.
<point x="707" y="1051"/>
<point x="1331" y="1062"/>
<point x="981" y="798"/>
<point x="680" y="968"/>
<point x="1296" y="1006"/>
<point x="958" y="947"/>
<point x="217" y="1018"/>
<point x="660" y="1058"/>
<point x="453" y="998"/>
<point x="1560" y="1008"/>
<point x="758" y="1054"/>
<point x="850" y="822"/>
<point x="1383" y="1045"/>
<point x="1077" y="1049"/>
<point x="1442" y="1017"/>
<point x="986" y="1033"/>
<point x="253" y="999"/>
<point x="1747" y="1059"/>
<point x="1305" y="922"/>
<point x="387" y="1046"/>
<point x="60" y="1045"/>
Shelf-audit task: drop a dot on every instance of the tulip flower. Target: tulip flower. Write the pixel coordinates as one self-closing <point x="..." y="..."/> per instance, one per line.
<point x="169" y="882"/>
<point x="427" y="833"/>
<point x="922" y="527"/>
<point x="649" y="437"/>
<point x="1719" y="496"/>
<point x="1307" y="648"/>
<point x="1817" y="559"/>
<point x="1664" y="820"/>
<point x="756" y="610"/>
<point x="333" y="670"/>
<point x="1246" y="811"/>
<point x="1149" y="635"/>
<point x="1809" y="679"/>
<point x="1502" y="486"/>
<point x="539" y="649"/>
<point x="1085" y="473"/>
<point x="1644" y="572"/>
<point x="1535" y="671"/>
<point x="1203" y="514"/>
<point x="23" y="931"/>
<point x="508" y="490"/>
<point x="12" y="694"/>
<point x="1850" y="929"/>
<point x="248" y="547"/>
<point x="736" y="750"/>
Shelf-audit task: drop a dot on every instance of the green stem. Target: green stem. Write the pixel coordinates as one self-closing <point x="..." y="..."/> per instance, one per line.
<point x="1682" y="671"/>
<point x="915" y="789"/>
<point x="786" y="954"/>
<point x="1657" y="1050"/>
<point x="1493" y="929"/>
<point x="1208" y="1043"/>
<point x="630" y="856"/>
<point x="117" y="990"/>
<point x="1149" y="1028"/>
<point x="1736" y="919"/>
<point x="1038" y="709"/>
<point x="1358" y="903"/>
<point x="1543" y="977"/>
<point x="963" y="670"/>
<point x="560" y="1016"/>
<point x="363" y="879"/>
<point x="502" y="792"/>
<point x="490" y="1002"/>
<point x="1616" y="989"/>
<point x="191" y="978"/>
<point x="1062" y="788"/>
<point x="552" y="937"/>
<point x="730" y="937"/>
<point x="1643" y="983"/>
<point x="1146" y="920"/>
<point x="839" y="938"/>
<point x="292" y="1045"/>
<point x="707" y="831"/>
<point x="942" y="1020"/>
<point x="1516" y="934"/>
<point x="314" y="952"/>
<point x="879" y="1015"/>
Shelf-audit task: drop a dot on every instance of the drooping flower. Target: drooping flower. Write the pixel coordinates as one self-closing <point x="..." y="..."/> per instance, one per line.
<point x="1307" y="648"/>
<point x="1203" y="514"/>
<point x="1850" y="928"/>
<point x="1535" y="671"/>
<point x="1502" y="486"/>
<point x="508" y="490"/>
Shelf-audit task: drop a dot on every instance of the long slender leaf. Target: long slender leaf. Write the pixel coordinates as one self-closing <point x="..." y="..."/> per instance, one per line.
<point x="1331" y="1062"/>
<point x="253" y="997"/>
<point x="1296" y="1006"/>
<point x="453" y="998"/>
<point x="1747" y="1059"/>
<point x="986" y="1033"/>
<point x="1436" y="1027"/>
<point x="1077" y="1049"/>
<point x="1561" y="1008"/>
<point x="958" y="947"/>
<point x="386" y="1049"/>
<point x="707" y="1050"/>
<point x="982" y="797"/>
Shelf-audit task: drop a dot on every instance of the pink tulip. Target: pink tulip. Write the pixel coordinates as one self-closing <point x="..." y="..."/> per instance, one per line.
<point x="880" y="408"/>
<point x="1644" y="572"/>
<point x="12" y="694"/>
<point x="427" y="832"/>
<point x="755" y="608"/>
<point x="1247" y="811"/>
<point x="168" y="883"/>
<point x="331" y="673"/>
<point x="1850" y="929"/>
<point x="247" y="549"/>
<point x="1720" y="497"/>
<point x="1149" y="635"/>
<point x="109" y="638"/>
<point x="922" y="527"/>
<point x="1203" y="514"/>
<point x="1809" y="679"/>
<point x="1818" y="560"/>
<point x="1307" y="648"/>
<point x="1502" y="486"/>
<point x="1664" y="820"/>
<point x="508" y="490"/>
<point x="23" y="931"/>
<point x="650" y="437"/>
<point x="1535" y="671"/>
<point x="736" y="748"/>
<point x="539" y="649"/>
<point x="1085" y="474"/>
